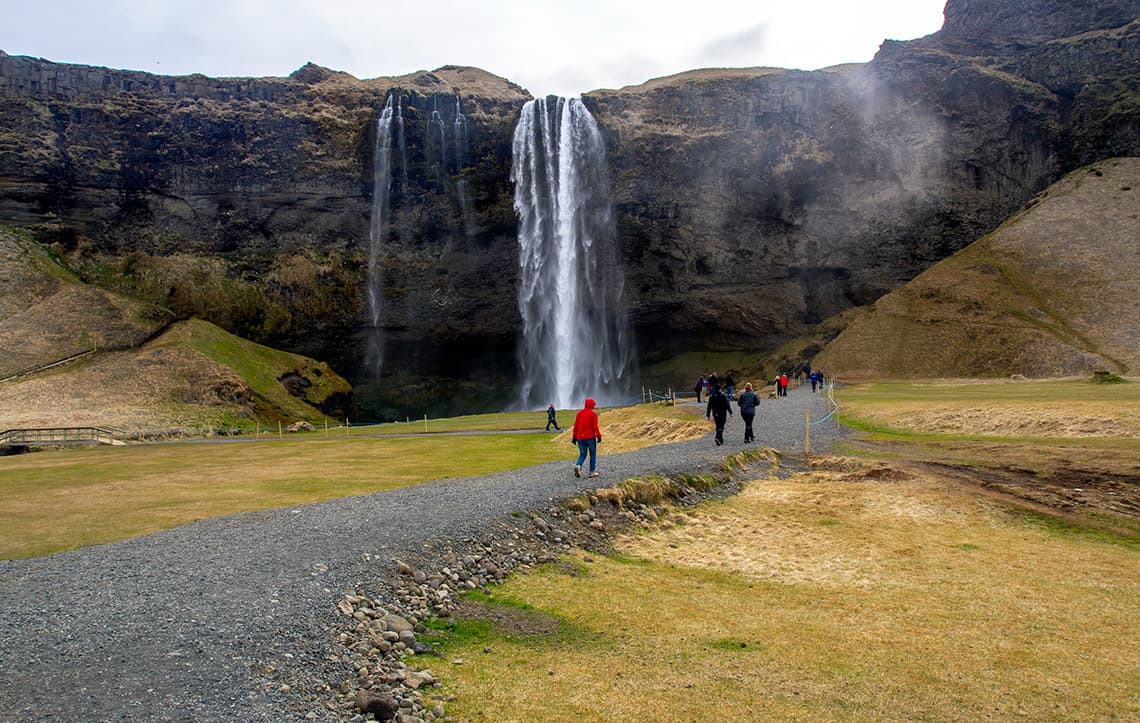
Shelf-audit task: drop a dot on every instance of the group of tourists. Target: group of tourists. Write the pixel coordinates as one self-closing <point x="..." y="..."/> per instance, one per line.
<point x="781" y="384"/>
<point x="719" y="409"/>
<point x="718" y="394"/>
<point x="815" y="376"/>
<point x="707" y="383"/>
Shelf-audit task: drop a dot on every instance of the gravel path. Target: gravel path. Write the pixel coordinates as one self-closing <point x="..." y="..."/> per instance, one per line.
<point x="179" y="625"/>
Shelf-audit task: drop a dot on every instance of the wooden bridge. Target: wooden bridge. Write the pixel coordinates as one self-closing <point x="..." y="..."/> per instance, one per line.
<point x="52" y="436"/>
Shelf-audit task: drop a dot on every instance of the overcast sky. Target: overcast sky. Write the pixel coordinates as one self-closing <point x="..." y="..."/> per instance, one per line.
<point x="562" y="47"/>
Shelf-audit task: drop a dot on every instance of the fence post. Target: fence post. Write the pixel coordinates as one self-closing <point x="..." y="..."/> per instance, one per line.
<point x="807" y="433"/>
<point x="425" y="424"/>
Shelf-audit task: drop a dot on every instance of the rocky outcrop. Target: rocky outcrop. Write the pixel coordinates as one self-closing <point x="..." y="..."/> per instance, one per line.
<point x="1029" y="21"/>
<point x="751" y="204"/>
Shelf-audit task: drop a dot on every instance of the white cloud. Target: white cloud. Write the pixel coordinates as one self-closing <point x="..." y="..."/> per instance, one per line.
<point x="546" y="46"/>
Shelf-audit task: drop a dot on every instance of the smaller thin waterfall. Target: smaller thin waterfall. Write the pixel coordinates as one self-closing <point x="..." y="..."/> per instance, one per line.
<point x="460" y="136"/>
<point x="577" y="340"/>
<point x="377" y="234"/>
<point x="401" y="145"/>
<point x="466" y="212"/>
<point x="437" y="131"/>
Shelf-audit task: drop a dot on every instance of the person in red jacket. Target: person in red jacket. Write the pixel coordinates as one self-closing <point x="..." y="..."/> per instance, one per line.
<point x="587" y="435"/>
<point x="784" y="385"/>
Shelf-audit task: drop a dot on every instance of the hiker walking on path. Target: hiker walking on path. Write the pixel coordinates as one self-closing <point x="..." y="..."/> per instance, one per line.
<point x="784" y="385"/>
<point x="729" y="385"/>
<point x="700" y="387"/>
<point x="550" y="419"/>
<point x="748" y="403"/>
<point x="718" y="410"/>
<point x="587" y="435"/>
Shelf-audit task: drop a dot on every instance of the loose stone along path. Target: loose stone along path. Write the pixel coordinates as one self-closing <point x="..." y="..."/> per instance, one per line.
<point x="300" y="613"/>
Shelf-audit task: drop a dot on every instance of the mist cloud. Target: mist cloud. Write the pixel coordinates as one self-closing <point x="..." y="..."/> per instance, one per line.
<point x="739" y="50"/>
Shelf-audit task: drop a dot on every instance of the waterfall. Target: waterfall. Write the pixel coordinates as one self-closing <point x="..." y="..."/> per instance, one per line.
<point x="401" y="145"/>
<point x="577" y="340"/>
<point x="377" y="234"/>
<point x="466" y="211"/>
<point x="460" y="136"/>
<point x="438" y="129"/>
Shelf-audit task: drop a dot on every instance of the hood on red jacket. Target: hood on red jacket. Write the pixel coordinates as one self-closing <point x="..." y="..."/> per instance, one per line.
<point x="590" y="403"/>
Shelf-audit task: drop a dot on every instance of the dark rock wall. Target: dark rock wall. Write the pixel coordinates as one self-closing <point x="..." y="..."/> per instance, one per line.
<point x="1029" y="21"/>
<point x="138" y="179"/>
<point x="754" y="204"/>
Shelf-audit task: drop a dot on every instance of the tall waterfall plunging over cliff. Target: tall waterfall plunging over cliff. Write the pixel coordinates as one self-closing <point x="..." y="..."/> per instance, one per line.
<point x="378" y="232"/>
<point x="577" y="340"/>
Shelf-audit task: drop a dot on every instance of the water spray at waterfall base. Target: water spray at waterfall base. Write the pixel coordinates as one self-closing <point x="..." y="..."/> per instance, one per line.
<point x="576" y="338"/>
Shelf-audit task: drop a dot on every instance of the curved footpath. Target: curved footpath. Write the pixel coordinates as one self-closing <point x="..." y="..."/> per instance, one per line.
<point x="176" y="625"/>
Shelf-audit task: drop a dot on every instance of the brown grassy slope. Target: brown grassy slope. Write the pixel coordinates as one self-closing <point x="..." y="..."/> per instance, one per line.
<point x="47" y="315"/>
<point x="193" y="374"/>
<point x="1054" y="291"/>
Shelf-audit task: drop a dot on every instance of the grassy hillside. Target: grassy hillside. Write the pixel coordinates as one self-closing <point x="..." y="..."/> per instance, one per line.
<point x="1054" y="291"/>
<point x="192" y="375"/>
<point x="47" y="314"/>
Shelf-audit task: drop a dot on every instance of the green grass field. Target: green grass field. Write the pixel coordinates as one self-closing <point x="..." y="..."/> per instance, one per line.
<point x="59" y="500"/>
<point x="52" y="501"/>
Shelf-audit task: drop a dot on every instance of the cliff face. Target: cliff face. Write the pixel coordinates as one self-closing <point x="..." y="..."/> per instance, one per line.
<point x="1028" y="21"/>
<point x="751" y="203"/>
<point x="754" y="204"/>
<point x="248" y="202"/>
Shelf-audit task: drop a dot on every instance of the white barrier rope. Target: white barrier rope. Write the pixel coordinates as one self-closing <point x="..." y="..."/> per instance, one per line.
<point x="831" y="402"/>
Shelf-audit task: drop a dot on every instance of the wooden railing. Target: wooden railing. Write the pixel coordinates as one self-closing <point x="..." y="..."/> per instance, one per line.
<point x="59" y="435"/>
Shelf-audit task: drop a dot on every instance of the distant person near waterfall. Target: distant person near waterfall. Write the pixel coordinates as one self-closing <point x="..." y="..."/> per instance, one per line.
<point x="748" y="403"/>
<point x="550" y="419"/>
<point x="729" y="386"/>
<point x="587" y="434"/>
<point x="700" y="387"/>
<point x="719" y="411"/>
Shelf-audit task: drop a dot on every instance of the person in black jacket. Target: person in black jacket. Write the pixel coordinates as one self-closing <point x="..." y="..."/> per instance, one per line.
<point x="748" y="403"/>
<point x="718" y="410"/>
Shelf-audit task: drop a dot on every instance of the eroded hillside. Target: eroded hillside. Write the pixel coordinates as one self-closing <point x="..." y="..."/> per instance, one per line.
<point x="1054" y="291"/>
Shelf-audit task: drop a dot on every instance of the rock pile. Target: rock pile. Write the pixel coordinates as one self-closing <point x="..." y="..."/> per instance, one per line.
<point x="391" y="681"/>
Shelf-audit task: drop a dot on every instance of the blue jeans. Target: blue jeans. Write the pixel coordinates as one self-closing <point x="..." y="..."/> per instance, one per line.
<point x="588" y="445"/>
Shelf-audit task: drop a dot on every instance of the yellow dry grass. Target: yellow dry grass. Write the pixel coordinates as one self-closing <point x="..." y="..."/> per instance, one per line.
<point x="1099" y="419"/>
<point x="626" y="429"/>
<point x="860" y="593"/>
